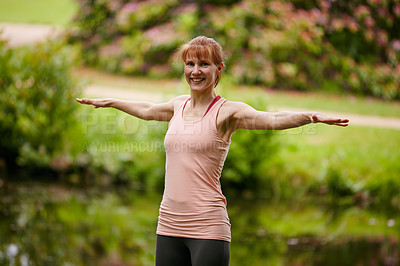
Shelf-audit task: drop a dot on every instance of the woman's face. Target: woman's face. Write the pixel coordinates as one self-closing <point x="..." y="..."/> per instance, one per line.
<point x="201" y="74"/>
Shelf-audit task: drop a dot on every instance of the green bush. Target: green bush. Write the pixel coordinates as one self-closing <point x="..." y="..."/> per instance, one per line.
<point x="340" y="46"/>
<point x="384" y="192"/>
<point x="248" y="169"/>
<point x="36" y="104"/>
<point x="114" y="148"/>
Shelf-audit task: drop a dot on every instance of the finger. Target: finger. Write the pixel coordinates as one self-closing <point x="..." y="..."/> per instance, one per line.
<point x="338" y="119"/>
<point x="341" y="124"/>
<point x="86" y="101"/>
<point x="83" y="101"/>
<point x="335" y="120"/>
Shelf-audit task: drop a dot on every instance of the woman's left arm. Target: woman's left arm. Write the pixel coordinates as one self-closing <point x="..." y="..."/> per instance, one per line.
<point x="285" y="120"/>
<point x="246" y="117"/>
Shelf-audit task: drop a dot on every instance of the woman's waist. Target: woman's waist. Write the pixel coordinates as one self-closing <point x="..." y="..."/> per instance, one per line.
<point x="190" y="197"/>
<point x="192" y="207"/>
<point x="194" y="217"/>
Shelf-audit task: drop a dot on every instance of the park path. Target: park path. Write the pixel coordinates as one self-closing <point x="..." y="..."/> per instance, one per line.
<point x="23" y="34"/>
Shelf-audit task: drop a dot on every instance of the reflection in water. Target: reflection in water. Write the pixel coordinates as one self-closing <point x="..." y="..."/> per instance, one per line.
<point x="347" y="251"/>
<point x="42" y="225"/>
<point x="301" y="234"/>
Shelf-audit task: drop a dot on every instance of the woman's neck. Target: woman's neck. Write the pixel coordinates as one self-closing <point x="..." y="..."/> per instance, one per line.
<point x="203" y="98"/>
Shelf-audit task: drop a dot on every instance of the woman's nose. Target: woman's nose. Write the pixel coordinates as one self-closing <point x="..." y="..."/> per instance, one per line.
<point x="196" y="69"/>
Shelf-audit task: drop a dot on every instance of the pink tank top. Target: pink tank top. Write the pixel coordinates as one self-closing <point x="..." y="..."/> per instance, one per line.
<point x="193" y="205"/>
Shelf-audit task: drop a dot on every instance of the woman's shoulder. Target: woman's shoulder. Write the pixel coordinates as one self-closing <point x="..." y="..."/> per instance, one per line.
<point x="181" y="97"/>
<point x="233" y="106"/>
<point x="231" y="109"/>
<point x="237" y="110"/>
<point x="179" y="100"/>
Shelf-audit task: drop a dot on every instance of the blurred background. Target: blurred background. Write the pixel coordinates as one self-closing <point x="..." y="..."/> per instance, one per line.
<point x="82" y="186"/>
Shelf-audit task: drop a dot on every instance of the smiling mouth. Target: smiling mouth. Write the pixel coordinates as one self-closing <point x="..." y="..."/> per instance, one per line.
<point x="197" y="80"/>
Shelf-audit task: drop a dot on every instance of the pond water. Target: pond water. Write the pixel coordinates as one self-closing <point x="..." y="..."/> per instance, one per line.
<point x="306" y="234"/>
<point x="53" y="225"/>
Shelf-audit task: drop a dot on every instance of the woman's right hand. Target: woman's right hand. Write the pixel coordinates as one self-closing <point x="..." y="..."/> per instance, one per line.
<point x="96" y="102"/>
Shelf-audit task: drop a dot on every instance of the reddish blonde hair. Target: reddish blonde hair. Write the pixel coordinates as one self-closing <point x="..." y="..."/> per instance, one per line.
<point x="202" y="47"/>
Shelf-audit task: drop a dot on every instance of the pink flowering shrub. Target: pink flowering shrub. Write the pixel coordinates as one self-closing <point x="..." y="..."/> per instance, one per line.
<point x="283" y="44"/>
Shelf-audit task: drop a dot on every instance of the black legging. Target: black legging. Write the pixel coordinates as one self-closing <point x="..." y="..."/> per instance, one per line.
<point x="180" y="251"/>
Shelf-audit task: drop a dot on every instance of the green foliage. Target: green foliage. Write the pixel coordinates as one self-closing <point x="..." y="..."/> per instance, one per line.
<point x="339" y="167"/>
<point x="340" y="189"/>
<point x="37" y="91"/>
<point x="251" y="154"/>
<point x="350" y="46"/>
<point x="115" y="148"/>
<point x="385" y="191"/>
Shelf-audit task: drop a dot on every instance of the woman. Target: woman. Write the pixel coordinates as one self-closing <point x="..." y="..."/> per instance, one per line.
<point x="193" y="225"/>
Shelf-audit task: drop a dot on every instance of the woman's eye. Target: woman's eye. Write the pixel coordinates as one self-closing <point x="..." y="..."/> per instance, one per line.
<point x="189" y="64"/>
<point x="204" y="64"/>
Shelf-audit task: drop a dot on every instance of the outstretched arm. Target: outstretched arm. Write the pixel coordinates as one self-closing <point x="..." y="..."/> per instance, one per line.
<point x="143" y="110"/>
<point x="245" y="116"/>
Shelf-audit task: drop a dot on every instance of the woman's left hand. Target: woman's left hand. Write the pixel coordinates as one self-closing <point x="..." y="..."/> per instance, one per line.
<point x="320" y="118"/>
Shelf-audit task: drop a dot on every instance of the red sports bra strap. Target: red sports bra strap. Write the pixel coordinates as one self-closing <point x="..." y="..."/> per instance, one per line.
<point x="184" y="105"/>
<point x="209" y="107"/>
<point x="212" y="103"/>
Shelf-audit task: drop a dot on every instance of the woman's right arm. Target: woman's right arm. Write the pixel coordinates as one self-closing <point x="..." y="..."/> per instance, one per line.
<point x="143" y="110"/>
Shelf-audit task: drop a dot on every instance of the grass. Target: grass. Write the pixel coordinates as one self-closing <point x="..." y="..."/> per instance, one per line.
<point x="359" y="154"/>
<point x="57" y="12"/>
